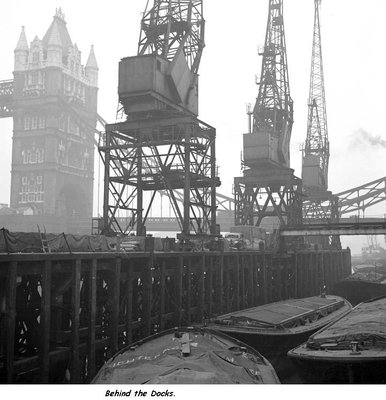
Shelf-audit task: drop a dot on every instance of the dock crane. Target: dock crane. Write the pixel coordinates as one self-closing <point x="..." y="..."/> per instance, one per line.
<point x="320" y="205"/>
<point x="316" y="152"/>
<point x="269" y="187"/>
<point x="273" y="111"/>
<point x="161" y="146"/>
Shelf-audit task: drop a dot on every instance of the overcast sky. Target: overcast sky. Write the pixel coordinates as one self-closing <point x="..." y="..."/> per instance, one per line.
<point x="353" y="34"/>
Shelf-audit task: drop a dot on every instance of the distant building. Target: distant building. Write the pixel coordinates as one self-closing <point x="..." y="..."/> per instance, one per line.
<point x="55" y="115"/>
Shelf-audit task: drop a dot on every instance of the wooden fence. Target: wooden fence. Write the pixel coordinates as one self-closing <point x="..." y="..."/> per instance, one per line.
<point x="63" y="315"/>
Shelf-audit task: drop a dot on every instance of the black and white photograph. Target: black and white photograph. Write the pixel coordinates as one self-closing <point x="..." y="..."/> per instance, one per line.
<point x="193" y="198"/>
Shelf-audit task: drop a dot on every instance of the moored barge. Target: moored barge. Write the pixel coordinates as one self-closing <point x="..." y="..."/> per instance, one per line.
<point x="275" y="328"/>
<point x="361" y="286"/>
<point x="350" y="350"/>
<point x="187" y="356"/>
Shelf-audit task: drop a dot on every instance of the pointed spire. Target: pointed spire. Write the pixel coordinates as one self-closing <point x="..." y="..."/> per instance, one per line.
<point x="54" y="37"/>
<point x="91" y="61"/>
<point x="21" y="52"/>
<point x="22" y="44"/>
<point x="57" y="34"/>
<point x="60" y="14"/>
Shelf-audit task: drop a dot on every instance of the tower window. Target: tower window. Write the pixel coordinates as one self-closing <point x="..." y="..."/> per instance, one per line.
<point x="62" y="123"/>
<point x="73" y="127"/>
<point x="40" y="155"/>
<point x="35" y="57"/>
<point x="42" y="122"/>
<point x="41" y="77"/>
<point x="31" y="185"/>
<point x="33" y="157"/>
<point x="34" y="124"/>
<point x="33" y="78"/>
<point x="27" y="123"/>
<point x="24" y="189"/>
<point x="32" y="189"/>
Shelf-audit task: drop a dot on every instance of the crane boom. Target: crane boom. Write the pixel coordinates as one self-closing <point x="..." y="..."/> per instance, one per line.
<point x="317" y="148"/>
<point x="273" y="111"/>
<point x="171" y="27"/>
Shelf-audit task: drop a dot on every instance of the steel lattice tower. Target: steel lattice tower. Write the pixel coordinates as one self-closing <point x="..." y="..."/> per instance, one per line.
<point x="320" y="205"/>
<point x="317" y="148"/>
<point x="162" y="146"/>
<point x="273" y="110"/>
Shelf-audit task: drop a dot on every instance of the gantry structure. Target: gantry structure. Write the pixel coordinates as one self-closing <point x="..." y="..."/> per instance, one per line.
<point x="268" y="187"/>
<point x="354" y="201"/>
<point x="162" y="145"/>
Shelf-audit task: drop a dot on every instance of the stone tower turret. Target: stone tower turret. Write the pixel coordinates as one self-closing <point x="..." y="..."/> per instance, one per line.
<point x="21" y="52"/>
<point x="92" y="72"/>
<point x="92" y="68"/>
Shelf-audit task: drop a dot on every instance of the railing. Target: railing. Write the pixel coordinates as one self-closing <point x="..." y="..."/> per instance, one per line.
<point x="62" y="315"/>
<point x="6" y="98"/>
<point x="6" y="87"/>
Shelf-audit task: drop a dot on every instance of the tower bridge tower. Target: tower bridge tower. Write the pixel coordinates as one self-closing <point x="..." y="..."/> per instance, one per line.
<point x="53" y="102"/>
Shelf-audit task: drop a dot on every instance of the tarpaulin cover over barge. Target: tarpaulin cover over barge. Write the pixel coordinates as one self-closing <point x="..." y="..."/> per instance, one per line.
<point x="275" y="328"/>
<point x="352" y="349"/>
<point x="187" y="356"/>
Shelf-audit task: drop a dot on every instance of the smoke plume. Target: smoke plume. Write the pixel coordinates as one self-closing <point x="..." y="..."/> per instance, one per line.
<point x="361" y="137"/>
